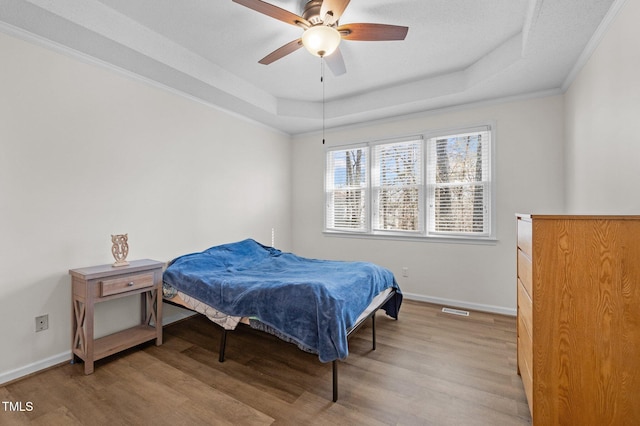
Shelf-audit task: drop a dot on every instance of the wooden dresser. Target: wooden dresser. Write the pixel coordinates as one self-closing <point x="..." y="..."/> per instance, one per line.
<point x="579" y="318"/>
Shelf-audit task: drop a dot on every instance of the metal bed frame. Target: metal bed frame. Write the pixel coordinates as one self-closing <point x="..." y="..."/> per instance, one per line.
<point x="356" y="326"/>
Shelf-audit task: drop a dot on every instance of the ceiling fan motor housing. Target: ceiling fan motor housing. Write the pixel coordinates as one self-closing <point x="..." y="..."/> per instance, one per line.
<point x="312" y="12"/>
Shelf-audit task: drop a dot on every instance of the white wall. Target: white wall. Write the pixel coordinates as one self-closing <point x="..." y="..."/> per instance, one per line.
<point x="529" y="176"/>
<point x="603" y="123"/>
<point x="87" y="152"/>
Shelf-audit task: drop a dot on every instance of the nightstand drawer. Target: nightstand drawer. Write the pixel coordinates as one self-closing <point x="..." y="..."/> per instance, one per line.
<point x="125" y="284"/>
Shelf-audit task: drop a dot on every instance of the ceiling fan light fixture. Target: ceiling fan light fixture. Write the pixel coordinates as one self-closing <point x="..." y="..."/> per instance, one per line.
<point x="321" y="40"/>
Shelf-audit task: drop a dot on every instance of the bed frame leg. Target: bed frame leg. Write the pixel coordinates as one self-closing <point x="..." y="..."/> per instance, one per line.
<point x="335" y="380"/>
<point x="223" y="344"/>
<point x="373" y="328"/>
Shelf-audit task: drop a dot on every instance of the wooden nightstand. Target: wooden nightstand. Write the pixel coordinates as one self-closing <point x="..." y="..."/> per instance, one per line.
<point x="104" y="282"/>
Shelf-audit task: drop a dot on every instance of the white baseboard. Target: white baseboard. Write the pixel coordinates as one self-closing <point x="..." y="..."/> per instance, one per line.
<point x="177" y="316"/>
<point x="460" y="304"/>
<point x="8" y="376"/>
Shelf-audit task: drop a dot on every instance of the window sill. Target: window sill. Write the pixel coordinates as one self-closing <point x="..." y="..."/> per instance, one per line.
<point x="423" y="239"/>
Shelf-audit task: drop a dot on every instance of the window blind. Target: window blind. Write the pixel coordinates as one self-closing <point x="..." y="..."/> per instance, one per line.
<point x="346" y="189"/>
<point x="397" y="185"/>
<point x="459" y="183"/>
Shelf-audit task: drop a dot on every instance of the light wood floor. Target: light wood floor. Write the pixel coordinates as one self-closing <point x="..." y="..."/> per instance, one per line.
<point x="429" y="368"/>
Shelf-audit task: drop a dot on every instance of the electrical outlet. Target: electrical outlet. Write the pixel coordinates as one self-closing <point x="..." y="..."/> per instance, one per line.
<point x="42" y="322"/>
<point x="405" y="271"/>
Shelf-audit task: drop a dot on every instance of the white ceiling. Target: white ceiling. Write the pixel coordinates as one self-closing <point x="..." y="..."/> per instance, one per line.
<point x="456" y="52"/>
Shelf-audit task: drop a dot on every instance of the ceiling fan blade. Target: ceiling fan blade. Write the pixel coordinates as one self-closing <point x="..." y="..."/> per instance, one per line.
<point x="275" y="12"/>
<point x="335" y="62"/>
<point x="335" y="9"/>
<point x="281" y="52"/>
<point x="372" y="32"/>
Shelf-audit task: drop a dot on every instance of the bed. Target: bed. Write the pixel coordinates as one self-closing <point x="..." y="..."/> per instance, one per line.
<point x="316" y="304"/>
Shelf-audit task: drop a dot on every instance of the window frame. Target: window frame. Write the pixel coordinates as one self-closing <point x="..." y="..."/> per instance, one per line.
<point x="423" y="233"/>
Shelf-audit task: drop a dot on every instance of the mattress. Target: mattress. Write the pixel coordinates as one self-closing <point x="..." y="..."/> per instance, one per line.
<point x="230" y="322"/>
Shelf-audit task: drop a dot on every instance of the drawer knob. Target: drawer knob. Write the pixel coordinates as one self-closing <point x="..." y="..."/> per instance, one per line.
<point x="130" y="283"/>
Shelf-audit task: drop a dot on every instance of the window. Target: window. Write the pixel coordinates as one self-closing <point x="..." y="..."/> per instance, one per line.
<point x="431" y="185"/>
<point x="458" y="181"/>
<point x="347" y="192"/>
<point x="397" y="186"/>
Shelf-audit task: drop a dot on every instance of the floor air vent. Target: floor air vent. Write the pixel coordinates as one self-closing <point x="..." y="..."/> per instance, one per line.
<point x="455" y="312"/>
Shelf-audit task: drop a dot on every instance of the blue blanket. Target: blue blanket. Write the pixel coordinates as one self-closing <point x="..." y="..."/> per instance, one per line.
<point x="313" y="302"/>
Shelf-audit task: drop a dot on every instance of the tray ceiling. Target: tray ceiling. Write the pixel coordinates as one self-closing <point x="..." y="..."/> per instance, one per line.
<point x="456" y="52"/>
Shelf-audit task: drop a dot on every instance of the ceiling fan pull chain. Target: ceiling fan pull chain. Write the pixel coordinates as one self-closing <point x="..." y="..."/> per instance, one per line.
<point x="322" y="82"/>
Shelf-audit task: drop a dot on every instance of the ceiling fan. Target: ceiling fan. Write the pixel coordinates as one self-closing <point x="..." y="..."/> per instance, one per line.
<point x="322" y="32"/>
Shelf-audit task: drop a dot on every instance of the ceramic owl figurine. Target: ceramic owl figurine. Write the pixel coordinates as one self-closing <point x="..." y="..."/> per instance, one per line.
<point x="120" y="249"/>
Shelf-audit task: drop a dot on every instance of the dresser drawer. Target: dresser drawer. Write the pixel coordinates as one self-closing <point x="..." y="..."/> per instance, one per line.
<point x="525" y="310"/>
<point x="525" y="361"/>
<point x="524" y="236"/>
<point x="125" y="283"/>
<point x="525" y="272"/>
